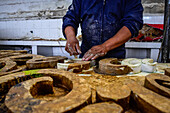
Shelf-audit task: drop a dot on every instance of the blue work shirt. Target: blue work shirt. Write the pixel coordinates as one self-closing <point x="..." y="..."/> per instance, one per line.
<point x="100" y="20"/>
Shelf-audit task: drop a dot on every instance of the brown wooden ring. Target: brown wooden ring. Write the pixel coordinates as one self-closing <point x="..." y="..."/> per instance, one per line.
<point x="157" y="83"/>
<point x="75" y="65"/>
<point x="167" y="72"/>
<point x="22" y="68"/>
<point x="116" y="92"/>
<point x="146" y="100"/>
<point x="103" y="107"/>
<point x="9" y="65"/>
<point x="15" y="51"/>
<point x="46" y="62"/>
<point x="20" y="98"/>
<point x="8" y="54"/>
<point x="85" y="65"/>
<point x="21" y="59"/>
<point x="110" y="66"/>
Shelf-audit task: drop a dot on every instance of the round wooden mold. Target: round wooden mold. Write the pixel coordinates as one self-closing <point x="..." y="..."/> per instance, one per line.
<point x="146" y="100"/>
<point x="74" y="65"/>
<point x="158" y="83"/>
<point x="167" y="72"/>
<point x="15" y="51"/>
<point x="110" y="66"/>
<point x="103" y="107"/>
<point x="8" y="54"/>
<point x="21" y="59"/>
<point x="46" y="62"/>
<point x="7" y="65"/>
<point x="23" y="97"/>
<point x="117" y="92"/>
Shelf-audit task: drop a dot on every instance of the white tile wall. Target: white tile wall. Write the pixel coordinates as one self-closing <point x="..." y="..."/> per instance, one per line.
<point x="48" y="29"/>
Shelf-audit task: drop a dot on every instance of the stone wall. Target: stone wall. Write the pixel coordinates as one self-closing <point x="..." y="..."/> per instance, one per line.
<point x="52" y="9"/>
<point x="32" y="9"/>
<point x="153" y="6"/>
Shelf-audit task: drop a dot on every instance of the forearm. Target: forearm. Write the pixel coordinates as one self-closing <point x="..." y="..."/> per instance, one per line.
<point x="72" y="45"/>
<point x="117" y="40"/>
<point x="70" y="32"/>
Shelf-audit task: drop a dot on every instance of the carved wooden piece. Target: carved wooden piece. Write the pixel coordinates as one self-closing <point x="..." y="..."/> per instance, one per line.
<point x="85" y="65"/>
<point x="21" y="59"/>
<point x="158" y="83"/>
<point x="167" y="72"/>
<point x="21" y="68"/>
<point x="9" y="65"/>
<point x="110" y="66"/>
<point x="46" y="62"/>
<point x="20" y="99"/>
<point x="7" y="81"/>
<point x="75" y="66"/>
<point x="7" y="54"/>
<point x="103" y="107"/>
<point x="148" y="101"/>
<point x="14" y="51"/>
<point x="117" y="92"/>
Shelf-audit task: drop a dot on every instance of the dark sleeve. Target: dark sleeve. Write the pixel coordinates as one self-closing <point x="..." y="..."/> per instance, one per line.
<point x="133" y="16"/>
<point x="72" y="17"/>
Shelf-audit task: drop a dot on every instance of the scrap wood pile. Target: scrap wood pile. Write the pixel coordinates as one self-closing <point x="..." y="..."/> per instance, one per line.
<point x="35" y="83"/>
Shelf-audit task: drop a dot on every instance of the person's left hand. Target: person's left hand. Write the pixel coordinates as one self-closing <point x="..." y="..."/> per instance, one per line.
<point x="95" y="52"/>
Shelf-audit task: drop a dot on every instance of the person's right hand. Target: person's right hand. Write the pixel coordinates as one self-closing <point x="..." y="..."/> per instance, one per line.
<point x="72" y="46"/>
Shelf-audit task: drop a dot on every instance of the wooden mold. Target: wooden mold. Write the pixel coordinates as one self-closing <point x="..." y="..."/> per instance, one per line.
<point x="148" y="101"/>
<point x="46" y="62"/>
<point x="7" y="65"/>
<point x="15" y="51"/>
<point x="117" y="92"/>
<point x="158" y="83"/>
<point x="22" y="59"/>
<point x="8" y="54"/>
<point x="103" y="107"/>
<point x="111" y="66"/>
<point x="75" y="66"/>
<point x="167" y="72"/>
<point x="21" y="98"/>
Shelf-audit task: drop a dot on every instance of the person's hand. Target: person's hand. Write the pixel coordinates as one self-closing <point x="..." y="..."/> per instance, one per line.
<point x="95" y="52"/>
<point x="72" y="46"/>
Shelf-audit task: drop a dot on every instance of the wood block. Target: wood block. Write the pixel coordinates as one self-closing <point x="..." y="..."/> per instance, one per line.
<point x="158" y="83"/>
<point x="148" y="101"/>
<point x="103" y="107"/>
<point x="117" y="92"/>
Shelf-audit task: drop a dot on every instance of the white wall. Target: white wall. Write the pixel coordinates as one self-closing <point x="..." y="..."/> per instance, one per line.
<point x="47" y="29"/>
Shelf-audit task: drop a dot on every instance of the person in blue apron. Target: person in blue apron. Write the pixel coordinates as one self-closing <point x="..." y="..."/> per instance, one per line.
<point x="106" y="26"/>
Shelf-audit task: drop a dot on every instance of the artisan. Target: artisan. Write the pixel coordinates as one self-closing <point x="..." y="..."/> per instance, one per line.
<point x="106" y="26"/>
